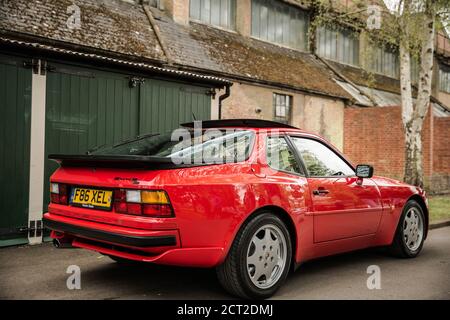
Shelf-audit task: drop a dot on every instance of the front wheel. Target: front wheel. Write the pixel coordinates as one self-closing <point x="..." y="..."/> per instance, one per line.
<point x="259" y="259"/>
<point x="410" y="234"/>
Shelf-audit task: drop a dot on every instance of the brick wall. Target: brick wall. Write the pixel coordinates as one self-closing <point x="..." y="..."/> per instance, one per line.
<point x="440" y="179"/>
<point x="375" y="136"/>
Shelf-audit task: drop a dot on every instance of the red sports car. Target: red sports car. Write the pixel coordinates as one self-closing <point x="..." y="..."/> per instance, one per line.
<point x="252" y="198"/>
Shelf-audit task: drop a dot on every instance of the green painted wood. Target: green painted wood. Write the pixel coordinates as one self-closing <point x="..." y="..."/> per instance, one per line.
<point x="164" y="105"/>
<point x="85" y="109"/>
<point x="15" y="106"/>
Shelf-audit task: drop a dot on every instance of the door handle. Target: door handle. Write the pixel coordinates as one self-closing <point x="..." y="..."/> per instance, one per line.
<point x="320" y="192"/>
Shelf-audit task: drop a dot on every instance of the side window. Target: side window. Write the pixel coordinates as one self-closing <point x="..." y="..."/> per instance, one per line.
<point x="321" y="161"/>
<point x="280" y="156"/>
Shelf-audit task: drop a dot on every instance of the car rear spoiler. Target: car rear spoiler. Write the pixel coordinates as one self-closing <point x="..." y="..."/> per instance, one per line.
<point x="116" y="161"/>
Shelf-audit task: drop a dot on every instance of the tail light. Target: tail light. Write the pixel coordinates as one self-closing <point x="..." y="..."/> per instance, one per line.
<point x="149" y="203"/>
<point x="58" y="193"/>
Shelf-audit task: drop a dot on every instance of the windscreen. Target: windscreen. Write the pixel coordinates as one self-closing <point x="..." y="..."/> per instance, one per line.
<point x="187" y="146"/>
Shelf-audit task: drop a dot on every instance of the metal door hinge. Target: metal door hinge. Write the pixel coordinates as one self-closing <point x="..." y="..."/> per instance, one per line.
<point x="135" y="81"/>
<point x="38" y="66"/>
<point x="211" y="92"/>
<point x="34" y="230"/>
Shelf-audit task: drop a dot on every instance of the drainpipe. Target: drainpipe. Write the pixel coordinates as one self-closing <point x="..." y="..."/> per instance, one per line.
<point x="223" y="97"/>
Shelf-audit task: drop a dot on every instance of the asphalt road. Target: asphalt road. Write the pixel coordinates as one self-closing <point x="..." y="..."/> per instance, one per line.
<point x="39" y="272"/>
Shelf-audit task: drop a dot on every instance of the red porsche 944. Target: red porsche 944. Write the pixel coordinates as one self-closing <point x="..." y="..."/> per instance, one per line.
<point x="252" y="198"/>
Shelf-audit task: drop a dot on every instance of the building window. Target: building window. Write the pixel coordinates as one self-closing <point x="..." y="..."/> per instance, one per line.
<point x="341" y="45"/>
<point x="221" y="13"/>
<point x="444" y="78"/>
<point x="280" y="23"/>
<point x="384" y="61"/>
<point x="282" y="105"/>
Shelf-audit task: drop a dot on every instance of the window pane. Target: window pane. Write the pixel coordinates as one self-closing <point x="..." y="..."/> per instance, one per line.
<point x="321" y="161"/>
<point x="339" y="45"/>
<point x="216" y="12"/>
<point x="385" y="61"/>
<point x="280" y="157"/>
<point x="282" y="108"/>
<point x="279" y="23"/>
<point x="195" y="9"/>
<point x="444" y="78"/>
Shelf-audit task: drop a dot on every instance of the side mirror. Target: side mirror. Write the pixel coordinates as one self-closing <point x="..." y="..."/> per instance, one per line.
<point x="364" y="171"/>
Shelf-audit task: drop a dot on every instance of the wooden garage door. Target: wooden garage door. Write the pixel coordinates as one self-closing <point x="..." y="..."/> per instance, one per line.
<point x="86" y="108"/>
<point x="15" y="106"/>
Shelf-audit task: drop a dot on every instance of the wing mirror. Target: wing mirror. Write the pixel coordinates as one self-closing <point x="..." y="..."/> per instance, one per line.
<point x="364" y="171"/>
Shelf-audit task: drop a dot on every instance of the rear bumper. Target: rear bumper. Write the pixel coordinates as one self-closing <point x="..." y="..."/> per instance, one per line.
<point x="111" y="237"/>
<point x="157" y="246"/>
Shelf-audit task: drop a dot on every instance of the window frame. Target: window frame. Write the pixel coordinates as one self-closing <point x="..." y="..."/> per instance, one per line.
<point x="289" y="107"/>
<point x="384" y="49"/>
<point x="444" y="72"/>
<point x="231" y="27"/>
<point x="292" y="148"/>
<point x="290" y="136"/>
<point x="307" y="22"/>
<point x="339" y="38"/>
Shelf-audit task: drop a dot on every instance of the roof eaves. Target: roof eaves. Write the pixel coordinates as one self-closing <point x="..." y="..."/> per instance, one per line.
<point x="96" y="56"/>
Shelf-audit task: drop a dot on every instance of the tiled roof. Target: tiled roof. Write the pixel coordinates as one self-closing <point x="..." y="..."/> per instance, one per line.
<point x="111" y="25"/>
<point x="362" y="77"/>
<point x="117" y="27"/>
<point x="206" y="47"/>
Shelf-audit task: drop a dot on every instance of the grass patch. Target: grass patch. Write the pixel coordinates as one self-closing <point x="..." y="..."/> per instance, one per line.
<point x="439" y="207"/>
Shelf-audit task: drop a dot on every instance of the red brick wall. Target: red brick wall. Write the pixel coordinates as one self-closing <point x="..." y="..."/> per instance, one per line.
<point x="441" y="145"/>
<point x="375" y="136"/>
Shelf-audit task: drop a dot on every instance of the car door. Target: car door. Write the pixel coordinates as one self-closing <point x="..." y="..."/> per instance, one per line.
<point x="343" y="205"/>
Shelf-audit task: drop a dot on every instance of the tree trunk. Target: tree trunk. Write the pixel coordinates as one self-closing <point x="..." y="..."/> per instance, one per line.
<point x="413" y="116"/>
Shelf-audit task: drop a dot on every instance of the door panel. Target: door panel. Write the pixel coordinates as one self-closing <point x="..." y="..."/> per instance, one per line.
<point x="15" y="106"/>
<point x="347" y="210"/>
<point x="343" y="205"/>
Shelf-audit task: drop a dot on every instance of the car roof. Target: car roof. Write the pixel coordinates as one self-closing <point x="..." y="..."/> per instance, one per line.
<point x="241" y="123"/>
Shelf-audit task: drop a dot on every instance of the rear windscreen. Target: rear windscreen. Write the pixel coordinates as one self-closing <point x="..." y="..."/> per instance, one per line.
<point x="188" y="146"/>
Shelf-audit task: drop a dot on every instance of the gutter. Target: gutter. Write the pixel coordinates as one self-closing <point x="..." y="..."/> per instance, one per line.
<point x="223" y="97"/>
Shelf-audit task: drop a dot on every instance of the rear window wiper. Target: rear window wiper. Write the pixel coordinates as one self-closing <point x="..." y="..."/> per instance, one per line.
<point x="136" y="139"/>
<point x="89" y="152"/>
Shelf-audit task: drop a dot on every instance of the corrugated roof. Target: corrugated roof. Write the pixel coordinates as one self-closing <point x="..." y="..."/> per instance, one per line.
<point x="383" y="98"/>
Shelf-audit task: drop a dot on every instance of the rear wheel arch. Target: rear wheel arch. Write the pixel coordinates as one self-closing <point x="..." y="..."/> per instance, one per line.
<point x="284" y="216"/>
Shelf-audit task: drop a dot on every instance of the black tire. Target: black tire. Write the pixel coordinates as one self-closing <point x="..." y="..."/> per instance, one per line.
<point x="233" y="274"/>
<point x="398" y="248"/>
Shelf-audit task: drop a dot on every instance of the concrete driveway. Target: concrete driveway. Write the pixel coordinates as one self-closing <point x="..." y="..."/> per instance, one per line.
<point x="39" y="272"/>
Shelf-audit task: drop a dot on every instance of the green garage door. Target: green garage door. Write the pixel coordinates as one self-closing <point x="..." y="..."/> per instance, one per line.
<point x="86" y="108"/>
<point x="15" y="105"/>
